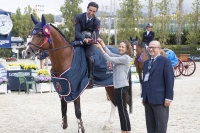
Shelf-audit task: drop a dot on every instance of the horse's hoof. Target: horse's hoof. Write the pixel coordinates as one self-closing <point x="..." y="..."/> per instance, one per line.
<point x="62" y="131"/>
<point x="81" y="130"/>
<point x="64" y="126"/>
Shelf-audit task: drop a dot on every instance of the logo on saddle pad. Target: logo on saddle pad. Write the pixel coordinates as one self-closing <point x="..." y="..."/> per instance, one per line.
<point x="58" y="86"/>
<point x="109" y="65"/>
<point x="109" y="68"/>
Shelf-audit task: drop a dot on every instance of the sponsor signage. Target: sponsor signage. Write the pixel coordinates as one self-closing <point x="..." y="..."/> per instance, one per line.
<point x="195" y="57"/>
<point x="14" y="68"/>
<point x="14" y="80"/>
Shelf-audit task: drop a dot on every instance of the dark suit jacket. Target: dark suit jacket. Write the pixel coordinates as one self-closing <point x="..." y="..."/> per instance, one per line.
<point x="80" y="25"/>
<point x="148" y="38"/>
<point x="161" y="81"/>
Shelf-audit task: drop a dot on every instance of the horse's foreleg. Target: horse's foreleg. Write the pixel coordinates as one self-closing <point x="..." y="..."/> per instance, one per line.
<point x="64" y="113"/>
<point x="112" y="113"/>
<point x="110" y="93"/>
<point x="111" y="118"/>
<point x="77" y="107"/>
<point x="139" y="71"/>
<point x="140" y="77"/>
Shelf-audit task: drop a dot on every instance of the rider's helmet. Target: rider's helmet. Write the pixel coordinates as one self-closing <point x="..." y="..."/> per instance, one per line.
<point x="149" y="25"/>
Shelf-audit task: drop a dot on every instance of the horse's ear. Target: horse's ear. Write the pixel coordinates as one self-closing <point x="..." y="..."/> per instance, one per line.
<point x="35" y="21"/>
<point x="43" y="20"/>
<point x="131" y="38"/>
<point x="136" y="38"/>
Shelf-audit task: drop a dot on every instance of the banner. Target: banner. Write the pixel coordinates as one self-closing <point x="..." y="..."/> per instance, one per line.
<point x="196" y="58"/>
<point x="14" y="80"/>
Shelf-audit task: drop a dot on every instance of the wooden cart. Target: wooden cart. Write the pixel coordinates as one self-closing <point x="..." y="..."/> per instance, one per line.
<point x="186" y="66"/>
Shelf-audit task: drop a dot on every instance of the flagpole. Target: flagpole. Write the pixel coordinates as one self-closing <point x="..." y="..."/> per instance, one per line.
<point x="115" y="22"/>
<point x="109" y="22"/>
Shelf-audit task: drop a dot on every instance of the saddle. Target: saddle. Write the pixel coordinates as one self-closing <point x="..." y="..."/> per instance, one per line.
<point x="92" y="36"/>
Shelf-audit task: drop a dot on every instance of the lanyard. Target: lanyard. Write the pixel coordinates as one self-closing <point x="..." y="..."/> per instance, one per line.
<point x="150" y="64"/>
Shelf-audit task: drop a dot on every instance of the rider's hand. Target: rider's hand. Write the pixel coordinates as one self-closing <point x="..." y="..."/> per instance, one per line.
<point x="86" y="40"/>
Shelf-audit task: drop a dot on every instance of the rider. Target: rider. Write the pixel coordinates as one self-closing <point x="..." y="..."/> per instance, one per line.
<point x="148" y="35"/>
<point x="85" y="24"/>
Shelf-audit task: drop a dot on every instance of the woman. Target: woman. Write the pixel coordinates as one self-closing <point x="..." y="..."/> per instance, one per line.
<point x="44" y="55"/>
<point x="120" y="72"/>
<point x="148" y="35"/>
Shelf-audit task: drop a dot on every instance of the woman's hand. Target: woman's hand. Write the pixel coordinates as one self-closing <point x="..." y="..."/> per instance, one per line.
<point x="102" y="44"/>
<point x="98" y="45"/>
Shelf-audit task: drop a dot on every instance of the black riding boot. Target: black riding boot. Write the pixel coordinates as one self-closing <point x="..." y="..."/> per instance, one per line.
<point x="90" y="62"/>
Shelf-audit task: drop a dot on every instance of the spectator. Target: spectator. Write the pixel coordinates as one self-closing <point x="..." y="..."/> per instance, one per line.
<point x="157" y="89"/>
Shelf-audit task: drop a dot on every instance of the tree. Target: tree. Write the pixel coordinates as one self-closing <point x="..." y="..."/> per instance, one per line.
<point x="104" y="19"/>
<point x="17" y="20"/>
<point x="194" y="36"/>
<point x="27" y="21"/>
<point x="180" y="19"/>
<point x="22" y="24"/>
<point x="69" y="11"/>
<point x="150" y="10"/>
<point x="49" y="18"/>
<point x="162" y="19"/>
<point x="128" y="19"/>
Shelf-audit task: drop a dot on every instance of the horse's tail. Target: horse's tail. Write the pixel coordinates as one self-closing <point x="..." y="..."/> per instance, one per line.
<point x="130" y="93"/>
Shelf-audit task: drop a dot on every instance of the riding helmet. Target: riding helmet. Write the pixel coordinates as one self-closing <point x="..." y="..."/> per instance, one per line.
<point x="149" y="25"/>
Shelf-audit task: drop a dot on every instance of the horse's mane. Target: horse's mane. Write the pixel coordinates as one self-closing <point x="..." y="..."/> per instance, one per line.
<point x="60" y="33"/>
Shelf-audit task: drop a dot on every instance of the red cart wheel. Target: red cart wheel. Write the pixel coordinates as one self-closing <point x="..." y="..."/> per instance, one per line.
<point x="178" y="69"/>
<point x="189" y="67"/>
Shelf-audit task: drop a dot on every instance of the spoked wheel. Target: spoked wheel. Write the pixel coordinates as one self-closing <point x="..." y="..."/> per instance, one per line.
<point x="178" y="69"/>
<point x="189" y="67"/>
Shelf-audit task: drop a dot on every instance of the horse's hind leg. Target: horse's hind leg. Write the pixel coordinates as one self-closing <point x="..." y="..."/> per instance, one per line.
<point x="77" y="107"/>
<point x="64" y="113"/>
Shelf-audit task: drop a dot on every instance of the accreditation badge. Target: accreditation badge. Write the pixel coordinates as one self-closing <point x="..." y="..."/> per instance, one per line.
<point x="146" y="78"/>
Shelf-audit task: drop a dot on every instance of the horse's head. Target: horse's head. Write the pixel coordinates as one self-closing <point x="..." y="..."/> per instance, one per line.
<point x="135" y="45"/>
<point x="134" y="41"/>
<point x="40" y="37"/>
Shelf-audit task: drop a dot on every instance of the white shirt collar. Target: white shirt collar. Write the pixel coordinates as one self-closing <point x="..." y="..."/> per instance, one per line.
<point x="148" y="32"/>
<point x="88" y="18"/>
<point x="155" y="57"/>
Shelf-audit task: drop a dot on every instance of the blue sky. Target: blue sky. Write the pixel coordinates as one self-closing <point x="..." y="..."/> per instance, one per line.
<point x="54" y="6"/>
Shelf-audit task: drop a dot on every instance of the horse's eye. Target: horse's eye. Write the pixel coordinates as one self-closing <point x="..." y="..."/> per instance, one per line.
<point x="40" y="35"/>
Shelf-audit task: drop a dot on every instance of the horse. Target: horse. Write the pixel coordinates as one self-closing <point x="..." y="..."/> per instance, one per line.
<point x="141" y="56"/>
<point x="63" y="56"/>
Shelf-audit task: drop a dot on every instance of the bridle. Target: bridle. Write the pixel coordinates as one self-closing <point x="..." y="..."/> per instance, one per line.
<point x="135" y="42"/>
<point x="43" y="41"/>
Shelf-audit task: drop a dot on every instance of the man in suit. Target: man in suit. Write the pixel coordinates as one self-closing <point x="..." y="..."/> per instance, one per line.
<point x="157" y="89"/>
<point x="85" y="25"/>
<point x="148" y="35"/>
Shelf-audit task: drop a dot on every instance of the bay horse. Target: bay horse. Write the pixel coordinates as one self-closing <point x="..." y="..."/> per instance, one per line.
<point x="141" y="56"/>
<point x="63" y="55"/>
